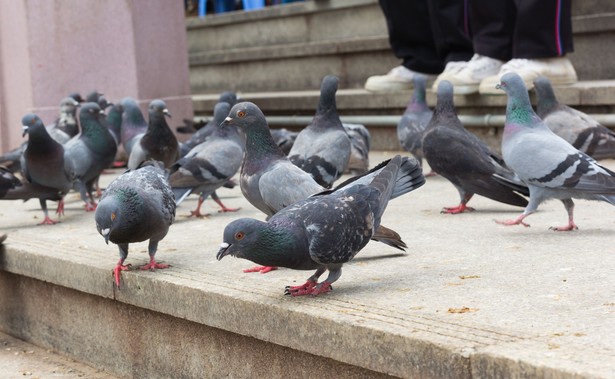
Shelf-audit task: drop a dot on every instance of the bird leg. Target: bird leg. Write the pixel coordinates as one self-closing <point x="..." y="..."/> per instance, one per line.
<point x="197" y="211"/>
<point x="311" y="286"/>
<point x="60" y="209"/>
<point x="119" y="267"/>
<point x="261" y="269"/>
<point x="46" y="220"/>
<point x="569" y="205"/>
<point x="461" y="207"/>
<point x="215" y="197"/>
<point x="152" y="265"/>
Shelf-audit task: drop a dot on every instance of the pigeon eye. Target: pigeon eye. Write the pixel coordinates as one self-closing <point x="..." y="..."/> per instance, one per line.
<point x="241" y="114"/>
<point x="239" y="236"/>
<point x="113" y="216"/>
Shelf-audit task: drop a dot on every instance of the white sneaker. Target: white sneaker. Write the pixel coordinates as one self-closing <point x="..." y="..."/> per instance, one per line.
<point x="466" y="76"/>
<point x="398" y="79"/>
<point x="558" y="70"/>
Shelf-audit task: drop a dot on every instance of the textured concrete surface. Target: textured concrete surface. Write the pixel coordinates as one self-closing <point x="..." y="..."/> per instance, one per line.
<point x="19" y="359"/>
<point x="470" y="298"/>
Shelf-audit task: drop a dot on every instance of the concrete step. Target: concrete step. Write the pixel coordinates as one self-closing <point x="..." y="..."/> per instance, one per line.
<point x="470" y="298"/>
<point x="292" y="47"/>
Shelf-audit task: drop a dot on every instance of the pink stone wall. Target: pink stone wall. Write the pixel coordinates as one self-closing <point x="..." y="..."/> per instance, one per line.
<point x="51" y="48"/>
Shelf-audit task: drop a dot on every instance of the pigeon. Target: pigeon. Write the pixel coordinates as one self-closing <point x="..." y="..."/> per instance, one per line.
<point x="284" y="138"/>
<point x="465" y="160"/>
<point x="360" y="141"/>
<point x="551" y="167"/>
<point x="11" y="188"/>
<point x="133" y="124"/>
<point x="191" y="126"/>
<point x="45" y="163"/>
<point x="113" y="121"/>
<point x="576" y="127"/>
<point x="413" y="122"/>
<point x="138" y="205"/>
<point x="92" y="151"/>
<point x="98" y="98"/>
<point x="319" y="233"/>
<point x="322" y="148"/>
<point x="265" y="167"/>
<point x="158" y="143"/>
<point x="65" y="127"/>
<point x="221" y="110"/>
<point x="209" y="165"/>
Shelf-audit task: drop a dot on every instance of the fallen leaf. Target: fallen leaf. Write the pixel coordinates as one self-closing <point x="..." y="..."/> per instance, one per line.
<point x="469" y="276"/>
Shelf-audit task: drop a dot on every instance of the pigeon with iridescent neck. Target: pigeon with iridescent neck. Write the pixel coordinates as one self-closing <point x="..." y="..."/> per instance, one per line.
<point x="319" y="233"/>
<point x="551" y="167"/>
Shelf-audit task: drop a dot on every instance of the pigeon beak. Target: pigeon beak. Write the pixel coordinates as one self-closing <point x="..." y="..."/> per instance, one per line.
<point x="223" y="252"/>
<point x="166" y="112"/>
<point x="499" y="86"/>
<point x="226" y="121"/>
<point x="24" y="131"/>
<point x="105" y="233"/>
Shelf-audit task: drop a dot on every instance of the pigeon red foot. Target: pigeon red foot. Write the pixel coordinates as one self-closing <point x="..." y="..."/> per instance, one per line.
<point x="261" y="269"/>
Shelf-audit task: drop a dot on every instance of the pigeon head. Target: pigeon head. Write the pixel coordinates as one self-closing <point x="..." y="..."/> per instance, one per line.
<point x="243" y="237"/>
<point x="76" y="96"/>
<point x="31" y="121"/>
<point x="545" y="96"/>
<point x="518" y="109"/>
<point x="228" y="97"/>
<point x="108" y="216"/>
<point x="244" y="115"/>
<point x="90" y="110"/>
<point x="328" y="88"/>
<point x="157" y="109"/>
<point x="68" y="105"/>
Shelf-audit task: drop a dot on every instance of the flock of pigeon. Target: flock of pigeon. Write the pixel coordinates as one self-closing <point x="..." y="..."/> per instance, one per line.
<point x="310" y="224"/>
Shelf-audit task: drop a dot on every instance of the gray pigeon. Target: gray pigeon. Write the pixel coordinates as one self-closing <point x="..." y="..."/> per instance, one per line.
<point x="209" y="165"/>
<point x="465" y="160"/>
<point x="133" y="124"/>
<point x="360" y="141"/>
<point x="137" y="206"/>
<point x="322" y="148"/>
<point x="551" y="167"/>
<point x="321" y="232"/>
<point x="413" y="122"/>
<point x="65" y="127"/>
<point x="265" y="167"/>
<point x="45" y="163"/>
<point x="576" y="127"/>
<point x="91" y="151"/>
<point x="221" y="110"/>
<point x="113" y="121"/>
<point x="158" y="143"/>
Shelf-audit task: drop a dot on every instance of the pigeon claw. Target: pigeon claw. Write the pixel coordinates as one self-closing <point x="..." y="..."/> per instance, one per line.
<point x="458" y="209"/>
<point x="90" y="207"/>
<point x="261" y="269"/>
<point x="225" y="209"/>
<point x="197" y="213"/>
<point x="152" y="266"/>
<point x="116" y="273"/>
<point x="308" y="288"/>
<point x="48" y="221"/>
<point x="566" y="228"/>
